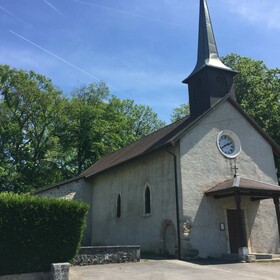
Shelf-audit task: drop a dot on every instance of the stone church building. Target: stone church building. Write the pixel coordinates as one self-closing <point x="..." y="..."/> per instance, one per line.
<point x="203" y="186"/>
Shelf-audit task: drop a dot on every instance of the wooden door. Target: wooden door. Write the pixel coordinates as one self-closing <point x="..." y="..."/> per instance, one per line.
<point x="234" y="230"/>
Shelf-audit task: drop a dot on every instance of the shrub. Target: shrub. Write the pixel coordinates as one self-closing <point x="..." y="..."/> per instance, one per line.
<point x="38" y="231"/>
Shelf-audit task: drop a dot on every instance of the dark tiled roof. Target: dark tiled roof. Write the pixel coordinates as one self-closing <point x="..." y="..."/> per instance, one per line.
<point x="143" y="146"/>
<point x="244" y="186"/>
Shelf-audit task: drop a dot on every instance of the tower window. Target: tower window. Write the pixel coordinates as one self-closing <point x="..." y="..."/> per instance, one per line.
<point x="119" y="211"/>
<point x="198" y="89"/>
<point x="147" y="201"/>
<point x="221" y="86"/>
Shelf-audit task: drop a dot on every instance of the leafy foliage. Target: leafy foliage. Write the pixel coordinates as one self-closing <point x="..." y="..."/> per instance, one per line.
<point x="180" y="112"/>
<point x="46" y="138"/>
<point x="36" y="232"/>
<point x="97" y="124"/>
<point x="29" y="113"/>
<point x="258" y="92"/>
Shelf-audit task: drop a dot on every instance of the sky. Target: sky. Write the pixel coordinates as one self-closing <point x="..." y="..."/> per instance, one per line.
<point x="142" y="49"/>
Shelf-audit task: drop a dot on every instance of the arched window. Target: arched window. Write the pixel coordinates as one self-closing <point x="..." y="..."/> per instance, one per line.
<point x="147" y="201"/>
<point x="119" y="206"/>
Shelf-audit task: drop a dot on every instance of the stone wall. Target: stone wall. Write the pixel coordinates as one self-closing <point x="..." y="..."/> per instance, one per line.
<point x="107" y="254"/>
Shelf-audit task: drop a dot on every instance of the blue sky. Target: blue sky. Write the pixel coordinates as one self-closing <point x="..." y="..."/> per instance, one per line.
<point x="142" y="49"/>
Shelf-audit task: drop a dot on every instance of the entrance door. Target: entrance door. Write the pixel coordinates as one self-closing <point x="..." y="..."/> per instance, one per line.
<point x="234" y="230"/>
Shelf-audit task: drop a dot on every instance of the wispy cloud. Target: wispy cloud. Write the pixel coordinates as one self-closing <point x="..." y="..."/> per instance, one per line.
<point x="54" y="8"/>
<point x="12" y="15"/>
<point x="56" y="56"/>
<point x="265" y="13"/>
<point x="126" y="13"/>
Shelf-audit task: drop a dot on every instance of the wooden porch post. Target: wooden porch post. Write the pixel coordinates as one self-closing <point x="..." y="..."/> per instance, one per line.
<point x="277" y="209"/>
<point x="243" y="242"/>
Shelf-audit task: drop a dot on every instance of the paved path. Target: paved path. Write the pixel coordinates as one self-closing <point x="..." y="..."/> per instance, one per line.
<point x="177" y="270"/>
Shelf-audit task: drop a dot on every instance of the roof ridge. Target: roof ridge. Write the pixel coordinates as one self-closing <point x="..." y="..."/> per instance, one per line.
<point x="258" y="181"/>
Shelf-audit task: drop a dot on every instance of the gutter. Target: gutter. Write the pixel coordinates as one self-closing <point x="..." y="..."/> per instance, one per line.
<point x="177" y="204"/>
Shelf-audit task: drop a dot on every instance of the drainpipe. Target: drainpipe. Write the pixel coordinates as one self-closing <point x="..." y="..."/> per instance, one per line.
<point x="177" y="204"/>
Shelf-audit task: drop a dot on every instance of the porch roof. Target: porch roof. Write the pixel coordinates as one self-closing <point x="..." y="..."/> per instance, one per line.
<point x="243" y="186"/>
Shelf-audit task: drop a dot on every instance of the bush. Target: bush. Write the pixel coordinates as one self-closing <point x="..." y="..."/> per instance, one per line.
<point x="37" y="231"/>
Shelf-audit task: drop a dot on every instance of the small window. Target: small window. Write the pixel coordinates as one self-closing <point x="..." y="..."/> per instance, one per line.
<point x="199" y="94"/>
<point x="147" y="201"/>
<point x="221" y="86"/>
<point x="119" y="207"/>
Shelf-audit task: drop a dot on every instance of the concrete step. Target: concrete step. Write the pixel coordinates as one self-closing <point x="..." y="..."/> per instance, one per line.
<point x="263" y="257"/>
<point x="268" y="260"/>
<point x="266" y="256"/>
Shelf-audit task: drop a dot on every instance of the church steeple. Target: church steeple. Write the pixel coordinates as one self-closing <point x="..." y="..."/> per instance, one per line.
<point x="211" y="79"/>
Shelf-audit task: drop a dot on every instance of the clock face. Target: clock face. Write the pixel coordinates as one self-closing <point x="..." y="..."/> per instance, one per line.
<point x="228" y="144"/>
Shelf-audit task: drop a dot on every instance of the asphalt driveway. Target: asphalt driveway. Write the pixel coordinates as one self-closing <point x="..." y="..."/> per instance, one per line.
<point x="177" y="270"/>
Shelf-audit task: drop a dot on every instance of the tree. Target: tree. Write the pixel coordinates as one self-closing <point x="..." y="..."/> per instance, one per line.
<point x="180" y="112"/>
<point x="46" y="138"/>
<point x="81" y="132"/>
<point x="98" y="124"/>
<point x="258" y="92"/>
<point x="29" y="113"/>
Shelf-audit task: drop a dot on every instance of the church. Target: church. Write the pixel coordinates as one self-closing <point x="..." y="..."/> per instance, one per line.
<point x="204" y="186"/>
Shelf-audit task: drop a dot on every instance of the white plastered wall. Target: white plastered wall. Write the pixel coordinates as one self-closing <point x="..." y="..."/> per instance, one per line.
<point x="155" y="170"/>
<point x="203" y="166"/>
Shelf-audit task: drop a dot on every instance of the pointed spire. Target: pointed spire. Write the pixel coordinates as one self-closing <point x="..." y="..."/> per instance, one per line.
<point x="207" y="48"/>
<point x="210" y="80"/>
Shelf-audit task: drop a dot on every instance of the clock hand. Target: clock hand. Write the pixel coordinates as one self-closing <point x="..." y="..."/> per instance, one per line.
<point x="226" y="145"/>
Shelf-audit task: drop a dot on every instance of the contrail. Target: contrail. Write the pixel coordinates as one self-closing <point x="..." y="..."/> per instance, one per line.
<point x="125" y="13"/>
<point x="56" y="56"/>
<point x="54" y="8"/>
<point x="12" y="15"/>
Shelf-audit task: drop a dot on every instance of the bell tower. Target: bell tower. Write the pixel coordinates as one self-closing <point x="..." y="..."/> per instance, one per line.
<point x="210" y="80"/>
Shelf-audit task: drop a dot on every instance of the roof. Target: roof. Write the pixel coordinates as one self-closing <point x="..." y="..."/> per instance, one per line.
<point x="163" y="137"/>
<point x="166" y="136"/>
<point x="141" y="147"/>
<point x="207" y="55"/>
<point x="244" y="186"/>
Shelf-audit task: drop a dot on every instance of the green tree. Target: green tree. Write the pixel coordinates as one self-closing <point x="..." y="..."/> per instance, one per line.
<point x="258" y="92"/>
<point x="81" y="131"/>
<point x="46" y="138"/>
<point x="29" y="113"/>
<point x="180" y="112"/>
<point x="97" y="124"/>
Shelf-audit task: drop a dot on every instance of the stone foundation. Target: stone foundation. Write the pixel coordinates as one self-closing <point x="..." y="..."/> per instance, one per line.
<point x="107" y="254"/>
